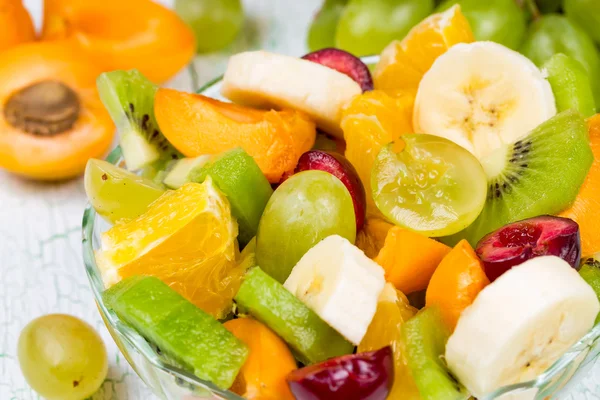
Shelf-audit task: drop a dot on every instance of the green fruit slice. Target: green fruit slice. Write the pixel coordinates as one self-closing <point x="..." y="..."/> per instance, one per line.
<point x="537" y="175"/>
<point x="367" y="26"/>
<point x="308" y="335"/>
<point x="179" y="172"/>
<point x="181" y="330"/>
<point x="500" y="21"/>
<point x="321" y="33"/>
<point x="238" y="176"/>
<point x="117" y="194"/>
<point x="570" y="85"/>
<point x="431" y="186"/>
<point x="304" y="210"/>
<point x="424" y="337"/>
<point x="590" y="272"/>
<point x="129" y="98"/>
<point x="552" y="34"/>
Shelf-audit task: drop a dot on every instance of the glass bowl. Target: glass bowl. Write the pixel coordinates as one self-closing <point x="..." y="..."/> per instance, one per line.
<point x="168" y="381"/>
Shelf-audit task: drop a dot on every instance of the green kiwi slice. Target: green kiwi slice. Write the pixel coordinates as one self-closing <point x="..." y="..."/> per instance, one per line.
<point x="570" y="84"/>
<point x="424" y="337"/>
<point x="537" y="175"/>
<point x="590" y="272"/>
<point x="129" y="98"/>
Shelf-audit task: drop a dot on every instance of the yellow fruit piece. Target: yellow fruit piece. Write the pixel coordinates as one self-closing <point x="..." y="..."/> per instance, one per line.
<point x="403" y="63"/>
<point x="393" y="310"/>
<point x="186" y="239"/>
<point x="372" y="120"/>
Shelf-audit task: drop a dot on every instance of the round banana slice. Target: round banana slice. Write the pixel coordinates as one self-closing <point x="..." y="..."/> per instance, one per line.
<point x="262" y="79"/>
<point x="482" y="95"/>
<point x="519" y="325"/>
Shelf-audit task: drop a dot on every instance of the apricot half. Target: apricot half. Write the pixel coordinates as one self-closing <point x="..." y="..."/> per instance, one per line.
<point x="198" y="125"/>
<point x="123" y="34"/>
<point x="15" y="24"/>
<point x="51" y="117"/>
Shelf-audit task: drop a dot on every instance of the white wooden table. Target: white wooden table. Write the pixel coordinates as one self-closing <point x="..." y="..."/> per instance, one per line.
<point x="41" y="268"/>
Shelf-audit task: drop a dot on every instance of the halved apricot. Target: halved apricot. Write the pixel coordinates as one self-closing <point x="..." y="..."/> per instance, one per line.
<point x="16" y="24"/>
<point x="51" y="117"/>
<point x="198" y="125"/>
<point x="123" y="34"/>
<point x="263" y="375"/>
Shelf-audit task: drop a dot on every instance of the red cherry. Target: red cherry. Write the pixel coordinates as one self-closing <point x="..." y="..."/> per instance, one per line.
<point x="343" y="62"/>
<point x="515" y="243"/>
<point x="363" y="376"/>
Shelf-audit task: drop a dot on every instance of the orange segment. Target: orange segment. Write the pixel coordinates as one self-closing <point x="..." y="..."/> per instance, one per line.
<point x="65" y="152"/>
<point x="393" y="310"/>
<point x="16" y="23"/>
<point x="123" y="34"/>
<point x="456" y="282"/>
<point x="263" y="375"/>
<point x="187" y="239"/>
<point x="585" y="208"/>
<point x="198" y="125"/>
<point x="370" y="121"/>
<point x="403" y="63"/>
<point x="409" y="258"/>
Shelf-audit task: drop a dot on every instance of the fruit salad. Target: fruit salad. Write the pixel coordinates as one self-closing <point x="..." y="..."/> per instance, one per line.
<point x="425" y="231"/>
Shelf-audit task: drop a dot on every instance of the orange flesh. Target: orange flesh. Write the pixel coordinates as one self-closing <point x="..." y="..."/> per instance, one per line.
<point x="16" y="24"/>
<point x="63" y="155"/>
<point x="263" y="375"/>
<point x="123" y="34"/>
<point x="456" y="282"/>
<point x="585" y="208"/>
<point x="198" y="125"/>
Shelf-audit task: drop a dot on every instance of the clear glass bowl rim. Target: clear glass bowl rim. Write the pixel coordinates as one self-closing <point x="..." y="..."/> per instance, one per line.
<point x="143" y="347"/>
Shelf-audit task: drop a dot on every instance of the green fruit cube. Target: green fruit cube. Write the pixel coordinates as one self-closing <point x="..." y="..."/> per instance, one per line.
<point x="181" y="330"/>
<point x="308" y="335"/>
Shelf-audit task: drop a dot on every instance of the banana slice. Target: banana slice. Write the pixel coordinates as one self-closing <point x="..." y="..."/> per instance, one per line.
<point x="262" y="79"/>
<point x="519" y="325"/>
<point x="340" y="283"/>
<point x="482" y="95"/>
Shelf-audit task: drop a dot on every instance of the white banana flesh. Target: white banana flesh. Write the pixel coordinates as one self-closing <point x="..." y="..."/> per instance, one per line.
<point x="340" y="283"/>
<point x="262" y="79"/>
<point x="482" y="96"/>
<point x="519" y="325"/>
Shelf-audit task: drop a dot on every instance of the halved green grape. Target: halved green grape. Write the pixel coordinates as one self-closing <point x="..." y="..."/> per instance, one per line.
<point x="322" y="30"/>
<point x="62" y="357"/>
<point x="304" y="210"/>
<point x="428" y="184"/>
<point x="117" y="194"/>
<point x="367" y="26"/>
<point x="215" y="23"/>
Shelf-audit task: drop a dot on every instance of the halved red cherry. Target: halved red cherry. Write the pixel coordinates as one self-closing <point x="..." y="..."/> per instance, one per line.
<point x="363" y="376"/>
<point x="343" y="62"/>
<point x="515" y="243"/>
<point x="338" y="166"/>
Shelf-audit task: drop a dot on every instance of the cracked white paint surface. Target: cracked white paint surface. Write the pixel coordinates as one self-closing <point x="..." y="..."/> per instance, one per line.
<point x="41" y="268"/>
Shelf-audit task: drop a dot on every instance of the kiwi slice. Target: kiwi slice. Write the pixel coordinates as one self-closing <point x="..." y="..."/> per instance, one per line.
<point x="311" y="339"/>
<point x="129" y="98"/>
<point x="590" y="272"/>
<point x="537" y="175"/>
<point x="570" y="84"/>
<point x="424" y="337"/>
<point x="180" y="171"/>
<point x="182" y="331"/>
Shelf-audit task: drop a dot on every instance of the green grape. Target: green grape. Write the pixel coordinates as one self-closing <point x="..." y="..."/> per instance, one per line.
<point x="553" y="34"/>
<point x="62" y="357"/>
<point x="428" y="184"/>
<point x="117" y="194"/>
<point x="322" y="30"/>
<point x="586" y="13"/>
<point x="367" y="26"/>
<point x="548" y="6"/>
<point x="501" y="21"/>
<point x="215" y="22"/>
<point x="305" y="209"/>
